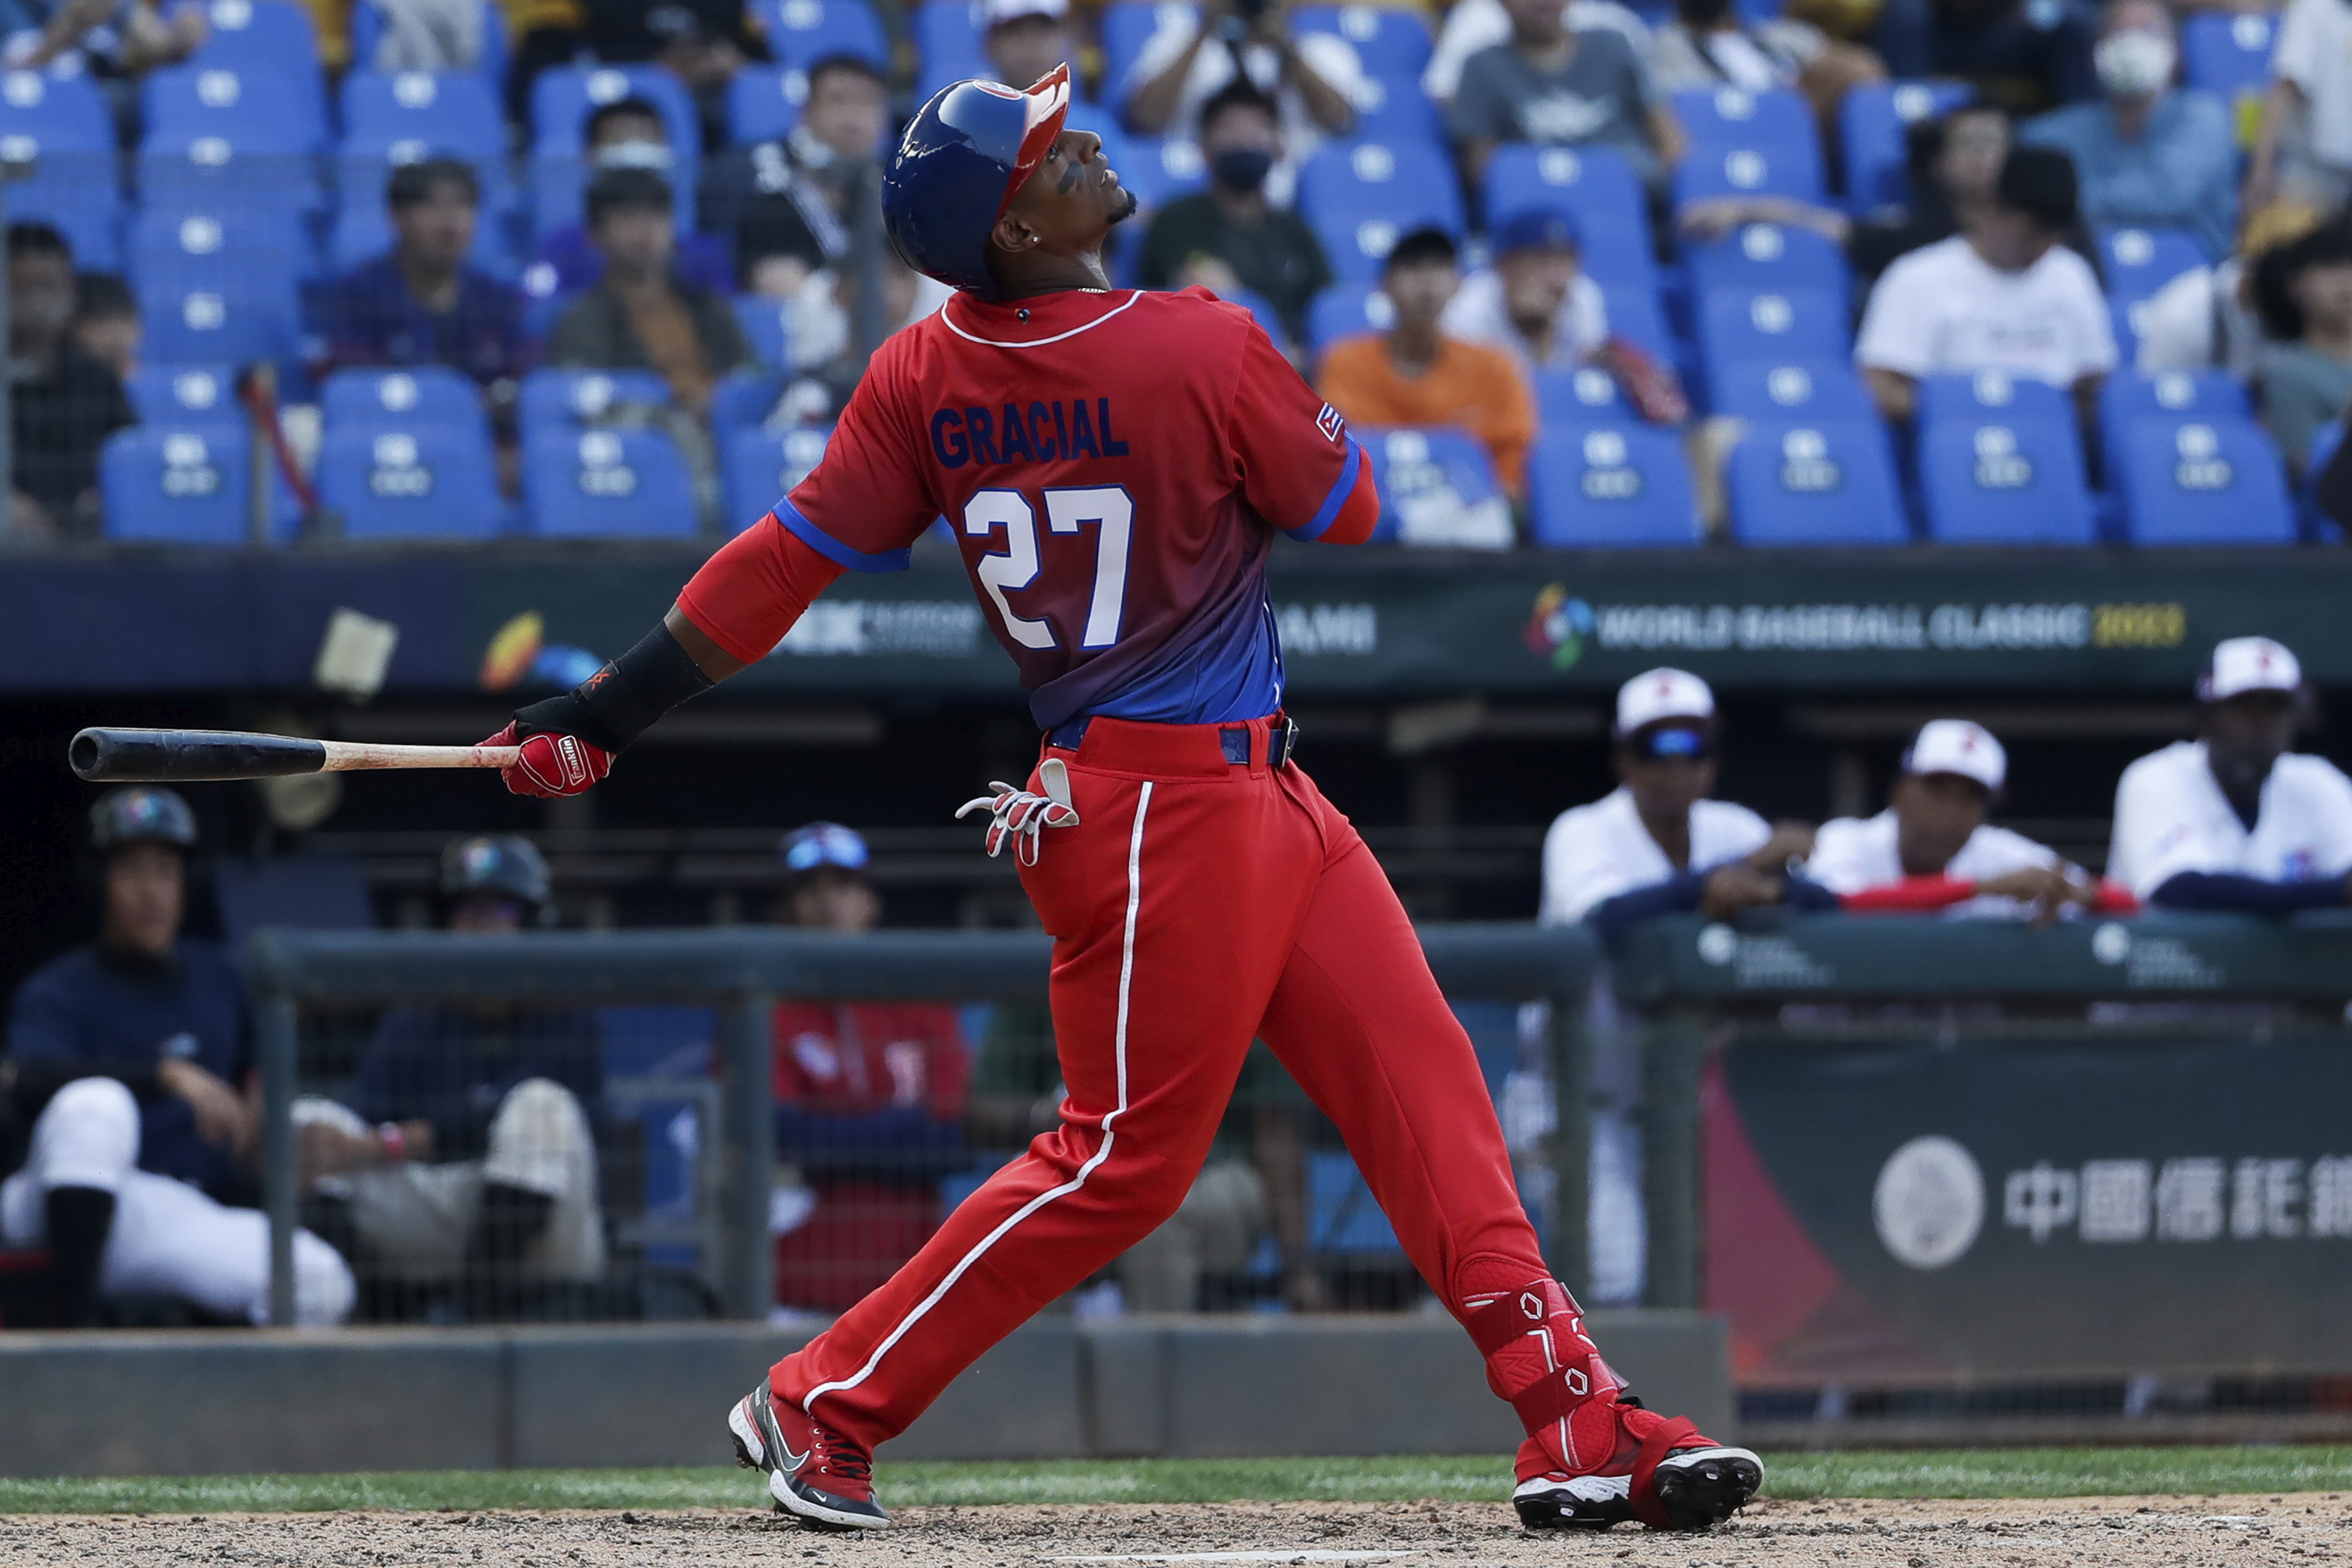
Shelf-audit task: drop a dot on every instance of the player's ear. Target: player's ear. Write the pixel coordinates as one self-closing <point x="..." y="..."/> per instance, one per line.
<point x="1013" y="233"/>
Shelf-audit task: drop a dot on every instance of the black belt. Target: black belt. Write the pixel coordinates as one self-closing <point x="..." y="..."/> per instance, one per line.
<point x="1281" y="739"/>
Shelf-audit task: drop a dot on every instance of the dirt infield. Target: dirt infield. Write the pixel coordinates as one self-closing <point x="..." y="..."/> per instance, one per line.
<point x="2075" y="1532"/>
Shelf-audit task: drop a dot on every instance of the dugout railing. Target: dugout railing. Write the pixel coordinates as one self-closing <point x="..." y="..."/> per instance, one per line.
<point x="688" y="1024"/>
<point x="1975" y="1170"/>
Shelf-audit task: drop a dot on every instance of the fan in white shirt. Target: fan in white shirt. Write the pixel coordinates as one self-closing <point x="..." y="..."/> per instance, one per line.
<point x="2002" y="294"/>
<point x="1931" y="849"/>
<point x="1535" y="303"/>
<point x="2233" y="820"/>
<point x="1656" y="845"/>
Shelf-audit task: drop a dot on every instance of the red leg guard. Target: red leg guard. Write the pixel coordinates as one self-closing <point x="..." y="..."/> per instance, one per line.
<point x="1540" y="1359"/>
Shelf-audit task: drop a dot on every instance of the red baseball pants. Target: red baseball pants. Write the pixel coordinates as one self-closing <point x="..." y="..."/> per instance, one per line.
<point x="1198" y="903"/>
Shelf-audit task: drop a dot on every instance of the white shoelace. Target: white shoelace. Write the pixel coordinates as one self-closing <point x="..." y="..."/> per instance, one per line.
<point x="1022" y="814"/>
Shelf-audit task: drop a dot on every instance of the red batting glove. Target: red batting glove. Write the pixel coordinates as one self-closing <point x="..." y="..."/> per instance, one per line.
<point x="550" y="765"/>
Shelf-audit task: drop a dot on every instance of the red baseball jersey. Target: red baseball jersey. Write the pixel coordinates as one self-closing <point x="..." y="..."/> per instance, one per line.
<point x="849" y="1057"/>
<point x="1113" y="465"/>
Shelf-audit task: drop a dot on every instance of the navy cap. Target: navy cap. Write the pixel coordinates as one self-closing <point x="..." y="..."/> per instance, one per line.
<point x="1536" y="229"/>
<point x="822" y="844"/>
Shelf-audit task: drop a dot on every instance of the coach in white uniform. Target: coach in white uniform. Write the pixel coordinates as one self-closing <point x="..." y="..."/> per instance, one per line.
<point x="2233" y="820"/>
<point x="1931" y="849"/>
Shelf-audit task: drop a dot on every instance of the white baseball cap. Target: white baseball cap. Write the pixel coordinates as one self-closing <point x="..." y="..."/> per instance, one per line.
<point x="1659" y="694"/>
<point x="993" y="11"/>
<point x="2248" y="664"/>
<point x="1958" y="746"/>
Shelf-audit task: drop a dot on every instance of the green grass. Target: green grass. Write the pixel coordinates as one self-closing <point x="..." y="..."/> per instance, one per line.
<point x="1974" y="1473"/>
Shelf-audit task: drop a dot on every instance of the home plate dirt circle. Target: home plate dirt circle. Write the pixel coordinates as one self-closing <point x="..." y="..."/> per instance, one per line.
<point x="2069" y="1533"/>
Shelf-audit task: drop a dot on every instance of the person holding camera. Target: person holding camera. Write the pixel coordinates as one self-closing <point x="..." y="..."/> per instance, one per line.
<point x="1313" y="78"/>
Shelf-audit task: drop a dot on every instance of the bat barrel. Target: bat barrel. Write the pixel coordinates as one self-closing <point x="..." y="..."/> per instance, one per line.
<point x="188" y="756"/>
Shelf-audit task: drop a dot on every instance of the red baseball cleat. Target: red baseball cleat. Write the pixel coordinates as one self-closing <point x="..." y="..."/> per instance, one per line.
<point x="1662" y="1474"/>
<point x="821" y="1477"/>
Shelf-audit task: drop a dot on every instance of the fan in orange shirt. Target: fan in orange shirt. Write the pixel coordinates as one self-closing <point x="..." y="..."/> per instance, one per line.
<point x="1412" y="375"/>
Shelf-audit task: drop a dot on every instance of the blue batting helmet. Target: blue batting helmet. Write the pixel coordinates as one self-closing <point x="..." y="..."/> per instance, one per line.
<point x="961" y="161"/>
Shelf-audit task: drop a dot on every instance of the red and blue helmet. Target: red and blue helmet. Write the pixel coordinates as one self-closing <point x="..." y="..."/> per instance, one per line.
<point x="959" y="165"/>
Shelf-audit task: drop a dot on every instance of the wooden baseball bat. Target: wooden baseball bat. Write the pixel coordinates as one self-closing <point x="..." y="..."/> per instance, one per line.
<point x="186" y="756"/>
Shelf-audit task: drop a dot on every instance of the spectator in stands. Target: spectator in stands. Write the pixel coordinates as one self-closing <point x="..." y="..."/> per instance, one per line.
<point x="1230" y="237"/>
<point x="827" y="362"/>
<point x="1555" y="85"/>
<point x="1026" y="39"/>
<point x="626" y="133"/>
<point x="1535" y="303"/>
<point x="870" y="1096"/>
<point x="2305" y="375"/>
<point x="424" y="303"/>
<point x="1709" y="44"/>
<point x="703" y="43"/>
<point x="1932" y="849"/>
<point x="130" y="1056"/>
<point x="2024" y="55"/>
<point x="418" y="36"/>
<point x="66" y="402"/>
<point x="1954" y="165"/>
<point x="1415" y="374"/>
<point x="2003" y="294"/>
<point x="2147" y="153"/>
<point x="1314" y="77"/>
<point x="115" y="40"/>
<point x="2233" y="820"/>
<point x="786" y="203"/>
<point x="106" y="324"/>
<point x="643" y="316"/>
<point x="468" y="1153"/>
<point x="2206" y="318"/>
<point x="1657" y="844"/>
<point x="2303" y="152"/>
<point x="1473" y="26"/>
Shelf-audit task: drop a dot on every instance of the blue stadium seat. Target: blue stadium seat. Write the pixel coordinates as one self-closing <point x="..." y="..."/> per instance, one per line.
<point x="228" y="251"/>
<point x="1612" y="485"/>
<point x="2140" y="261"/>
<point x="185" y="394"/>
<point x="1792" y="170"/>
<point x="205" y="327"/>
<point x="1613" y="254"/>
<point x="407" y="115"/>
<point x="1262" y="311"/>
<point x="1873" y="122"/>
<point x="1769" y="256"/>
<point x="75" y="193"/>
<point x="1737" y="324"/>
<point x="61" y="126"/>
<point x="759" y="467"/>
<point x="803" y="32"/>
<point x="1437" y="487"/>
<point x="429" y="394"/>
<point x="2315" y="524"/>
<point x="1391" y="111"/>
<point x="212" y="170"/>
<point x="1826" y="484"/>
<point x="565" y="96"/>
<point x="2200" y="482"/>
<point x="744" y="399"/>
<point x="177" y="484"/>
<point x="1721" y="117"/>
<point x="410" y="481"/>
<point x="1787" y="390"/>
<point x="60" y="113"/>
<point x="1635" y="315"/>
<point x="1579" y="394"/>
<point x="1990" y="479"/>
<point x="1590" y="183"/>
<point x="2228" y="53"/>
<point x="1995" y="395"/>
<point x="763" y="103"/>
<point x="2126" y="397"/>
<point x="1126" y="26"/>
<point x="1391" y="42"/>
<point x="1359" y="197"/>
<point x="768" y="325"/>
<point x="1344" y="310"/>
<point x="562" y="399"/>
<point x="272" y="39"/>
<point x="248" y="110"/>
<point x="948" y="43"/>
<point x="626" y="484"/>
<point x="1342" y="1215"/>
<point x="1157" y="169"/>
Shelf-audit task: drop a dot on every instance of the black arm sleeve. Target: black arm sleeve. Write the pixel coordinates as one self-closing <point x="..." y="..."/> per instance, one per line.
<point x="2252" y="895"/>
<point x="621" y="701"/>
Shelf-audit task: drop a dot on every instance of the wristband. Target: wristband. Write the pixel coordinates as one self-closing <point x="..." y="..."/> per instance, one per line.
<point x="621" y="701"/>
<point x="394" y="1141"/>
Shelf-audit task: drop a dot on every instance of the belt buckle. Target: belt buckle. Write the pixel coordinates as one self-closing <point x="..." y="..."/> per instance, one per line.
<point x="1280" y="742"/>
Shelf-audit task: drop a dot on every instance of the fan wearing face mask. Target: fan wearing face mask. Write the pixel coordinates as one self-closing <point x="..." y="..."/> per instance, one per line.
<point x="2149" y="154"/>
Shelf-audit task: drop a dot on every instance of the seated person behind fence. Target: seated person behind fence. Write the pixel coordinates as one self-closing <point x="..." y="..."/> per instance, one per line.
<point x="128" y="1058"/>
<point x="1657" y="844"/>
<point x="1951" y="166"/>
<point x="1231" y="236"/>
<point x="106" y="324"/>
<point x="1931" y="849"/>
<point x="1558" y="87"/>
<point x="2004" y="294"/>
<point x="643" y="316"/>
<point x="1415" y="374"/>
<point x="467" y="1154"/>
<point x="1536" y="302"/>
<point x="626" y="133"/>
<point x="869" y="1098"/>
<point x="2233" y="820"/>
<point x="2305" y="299"/>
<point x="66" y="403"/>
<point x="786" y="204"/>
<point x="424" y="303"/>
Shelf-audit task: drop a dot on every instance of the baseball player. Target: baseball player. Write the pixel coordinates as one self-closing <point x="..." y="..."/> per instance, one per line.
<point x="2233" y="820"/>
<point x="1114" y="466"/>
<point x="1931" y="849"/>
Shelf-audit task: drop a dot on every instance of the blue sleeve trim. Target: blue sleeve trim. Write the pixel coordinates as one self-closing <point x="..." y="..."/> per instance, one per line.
<point x="833" y="549"/>
<point x="1320" y="523"/>
<point x="2252" y="895"/>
